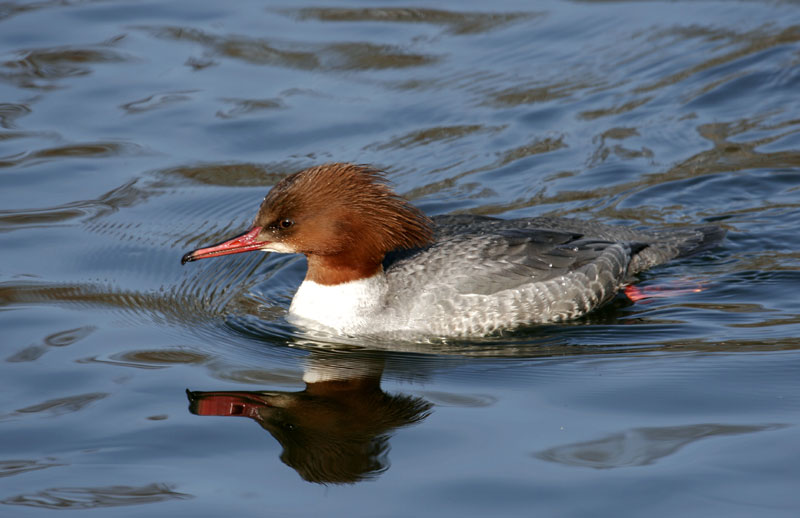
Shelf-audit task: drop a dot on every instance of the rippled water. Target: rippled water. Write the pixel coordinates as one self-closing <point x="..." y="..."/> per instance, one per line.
<point x="131" y="132"/>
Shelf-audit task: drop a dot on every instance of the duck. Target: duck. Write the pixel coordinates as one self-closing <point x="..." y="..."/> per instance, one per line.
<point x="377" y="265"/>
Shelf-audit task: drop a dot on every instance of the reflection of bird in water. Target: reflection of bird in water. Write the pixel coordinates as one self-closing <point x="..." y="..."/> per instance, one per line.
<point x="334" y="431"/>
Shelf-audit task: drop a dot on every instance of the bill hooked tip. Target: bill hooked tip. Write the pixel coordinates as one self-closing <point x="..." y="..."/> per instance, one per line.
<point x="188" y="257"/>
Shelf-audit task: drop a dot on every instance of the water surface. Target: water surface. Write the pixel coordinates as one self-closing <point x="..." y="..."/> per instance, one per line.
<point x="131" y="132"/>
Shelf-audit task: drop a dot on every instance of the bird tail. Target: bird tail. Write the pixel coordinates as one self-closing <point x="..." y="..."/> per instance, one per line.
<point x="667" y="244"/>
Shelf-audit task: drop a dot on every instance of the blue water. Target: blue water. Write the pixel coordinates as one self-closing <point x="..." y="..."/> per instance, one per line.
<point x="132" y="132"/>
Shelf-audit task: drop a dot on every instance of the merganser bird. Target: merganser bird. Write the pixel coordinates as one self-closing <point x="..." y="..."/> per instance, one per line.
<point x="378" y="266"/>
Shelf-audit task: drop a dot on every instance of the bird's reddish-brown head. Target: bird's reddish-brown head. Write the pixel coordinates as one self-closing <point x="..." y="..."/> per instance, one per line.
<point x="343" y="217"/>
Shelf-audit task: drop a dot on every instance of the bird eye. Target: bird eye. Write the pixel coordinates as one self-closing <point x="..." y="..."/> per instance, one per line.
<point x="286" y="223"/>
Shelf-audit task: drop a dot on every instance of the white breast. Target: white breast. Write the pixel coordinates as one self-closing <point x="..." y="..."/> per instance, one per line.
<point x="347" y="308"/>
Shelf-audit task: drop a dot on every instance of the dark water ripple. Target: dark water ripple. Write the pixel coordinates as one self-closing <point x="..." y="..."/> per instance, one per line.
<point x="641" y="446"/>
<point x="85" y="150"/>
<point x="332" y="56"/>
<point x="10" y="468"/>
<point x="42" y="68"/>
<point x="455" y="22"/>
<point x="97" y="497"/>
<point x="10" y="112"/>
<point x="55" y="407"/>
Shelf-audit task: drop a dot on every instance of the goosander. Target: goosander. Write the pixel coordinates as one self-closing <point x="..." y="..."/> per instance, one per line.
<point x="378" y="266"/>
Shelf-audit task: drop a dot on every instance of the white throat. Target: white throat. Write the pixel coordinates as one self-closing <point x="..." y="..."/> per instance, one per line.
<point x="346" y="308"/>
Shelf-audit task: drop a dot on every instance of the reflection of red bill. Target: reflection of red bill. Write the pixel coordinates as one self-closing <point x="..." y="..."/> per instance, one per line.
<point x="662" y="291"/>
<point x="227" y="404"/>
